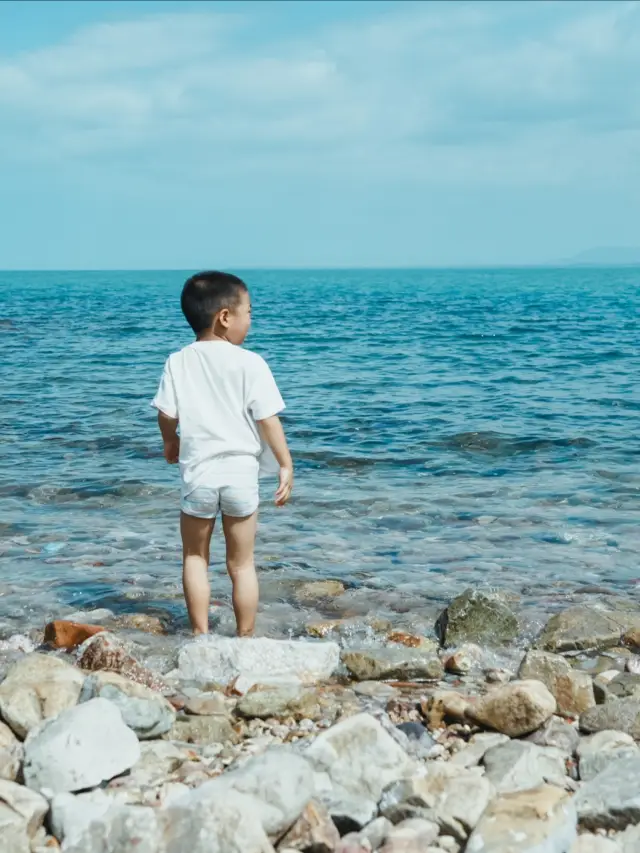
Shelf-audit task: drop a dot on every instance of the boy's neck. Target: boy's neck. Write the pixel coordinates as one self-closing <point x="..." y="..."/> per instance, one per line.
<point x="211" y="335"/>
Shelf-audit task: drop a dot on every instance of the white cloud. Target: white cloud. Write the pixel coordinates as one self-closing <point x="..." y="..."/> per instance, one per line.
<point x="467" y="92"/>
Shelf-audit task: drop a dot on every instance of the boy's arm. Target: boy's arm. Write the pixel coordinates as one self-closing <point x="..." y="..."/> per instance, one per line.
<point x="273" y="433"/>
<point x="169" y="431"/>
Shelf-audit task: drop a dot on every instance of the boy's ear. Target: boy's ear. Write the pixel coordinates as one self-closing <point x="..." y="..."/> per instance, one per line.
<point x="223" y="317"/>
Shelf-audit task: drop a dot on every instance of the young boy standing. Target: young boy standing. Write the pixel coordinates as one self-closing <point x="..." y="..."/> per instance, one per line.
<point x="226" y="402"/>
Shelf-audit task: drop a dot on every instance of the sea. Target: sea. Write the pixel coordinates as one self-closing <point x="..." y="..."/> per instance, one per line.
<point x="450" y="429"/>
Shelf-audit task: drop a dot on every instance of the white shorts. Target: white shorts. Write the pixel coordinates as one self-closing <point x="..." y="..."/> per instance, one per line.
<point x="236" y="501"/>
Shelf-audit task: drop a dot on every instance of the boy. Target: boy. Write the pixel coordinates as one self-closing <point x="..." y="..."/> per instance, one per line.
<point x="225" y="400"/>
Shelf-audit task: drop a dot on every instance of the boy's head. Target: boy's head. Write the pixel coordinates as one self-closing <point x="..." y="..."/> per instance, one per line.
<point x="217" y="303"/>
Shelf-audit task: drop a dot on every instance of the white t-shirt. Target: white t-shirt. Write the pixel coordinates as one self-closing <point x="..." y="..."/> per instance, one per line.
<point x="218" y="391"/>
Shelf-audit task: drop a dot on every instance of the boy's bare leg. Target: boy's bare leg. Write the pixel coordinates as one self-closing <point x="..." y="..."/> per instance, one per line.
<point x="240" y="536"/>
<point x="196" y="539"/>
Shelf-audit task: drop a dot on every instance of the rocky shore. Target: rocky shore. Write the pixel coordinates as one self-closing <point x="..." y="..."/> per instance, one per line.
<point x="461" y="741"/>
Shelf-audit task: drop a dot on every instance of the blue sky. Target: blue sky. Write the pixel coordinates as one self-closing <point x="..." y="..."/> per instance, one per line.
<point x="188" y="134"/>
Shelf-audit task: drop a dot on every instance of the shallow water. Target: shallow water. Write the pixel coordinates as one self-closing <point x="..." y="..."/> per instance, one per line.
<point x="450" y="428"/>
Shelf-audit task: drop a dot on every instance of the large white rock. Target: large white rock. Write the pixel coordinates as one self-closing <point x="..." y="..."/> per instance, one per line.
<point x="122" y="829"/>
<point x="80" y="749"/>
<point x="144" y="710"/>
<point x="72" y="814"/>
<point x="256" y="660"/>
<point x="519" y="765"/>
<point x="38" y="688"/>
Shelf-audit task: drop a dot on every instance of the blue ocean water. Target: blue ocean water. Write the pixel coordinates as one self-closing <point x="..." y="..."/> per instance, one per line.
<point x="450" y="429"/>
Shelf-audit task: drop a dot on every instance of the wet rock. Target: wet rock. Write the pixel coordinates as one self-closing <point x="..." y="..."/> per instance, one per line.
<point x="519" y="766"/>
<point x="539" y="821"/>
<point x="498" y="676"/>
<point x="91" y="617"/>
<point x="612" y="799"/>
<point x="375" y="690"/>
<point x="106" y="652"/>
<point x="207" y="704"/>
<point x="583" y="627"/>
<point x="80" y="748"/>
<point x="11" y="754"/>
<point x="256" y="661"/>
<point x="453" y="797"/>
<point x="410" y="836"/>
<point x="122" y="829"/>
<point x="472" y="754"/>
<point x="515" y="709"/>
<point x="602" y="749"/>
<point x="69" y="635"/>
<point x="622" y="715"/>
<point x="36" y="688"/>
<point x="313" y="591"/>
<point x="145" y="711"/>
<point x="313" y="832"/>
<point x="323" y="629"/>
<point x="140" y="622"/>
<point x="558" y="733"/>
<point x="279" y="782"/>
<point x="354" y="761"/>
<point x="411" y="641"/>
<point x="279" y="702"/>
<point x="572" y="689"/>
<point x="477" y="617"/>
<point x="202" y="730"/>
<point x="464" y="660"/>
<point x="402" y="664"/>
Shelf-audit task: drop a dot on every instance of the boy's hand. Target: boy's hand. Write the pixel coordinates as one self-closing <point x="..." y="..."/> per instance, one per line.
<point x="172" y="450"/>
<point x="286" y="486"/>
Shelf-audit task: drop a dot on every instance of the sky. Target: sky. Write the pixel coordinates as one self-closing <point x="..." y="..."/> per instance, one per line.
<point x="179" y="135"/>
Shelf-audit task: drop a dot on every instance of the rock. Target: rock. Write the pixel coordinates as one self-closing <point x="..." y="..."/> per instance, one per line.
<point x="444" y="705"/>
<point x="464" y="660"/>
<point x="411" y="641"/>
<point x="633" y="664"/>
<point x="203" y="730"/>
<point x="279" y="782"/>
<point x="477" y="617"/>
<point x="612" y="799"/>
<point x="30" y="807"/>
<point x="402" y="664"/>
<point x="106" y="652"/>
<point x="81" y="748"/>
<point x="453" y="797"/>
<point x="514" y="709"/>
<point x="622" y="715"/>
<point x="123" y="829"/>
<point x="622" y="685"/>
<point x="158" y="760"/>
<point x="583" y="627"/>
<point x="375" y="690"/>
<point x="595" y="844"/>
<point x="313" y="832"/>
<point x="146" y="712"/>
<point x="572" y="689"/>
<point x="257" y="661"/>
<point x="539" y="821"/>
<point x="354" y="761"/>
<point x="69" y="635"/>
<point x="519" y="766"/>
<point x="472" y="754"/>
<point x="279" y="702"/>
<point x="351" y="843"/>
<point x="91" y="617"/>
<point x="36" y="688"/>
<point x="11" y="754"/>
<point x="629" y="840"/>
<point x="498" y="676"/>
<point x="140" y="622"/>
<point x="376" y="832"/>
<point x="600" y="750"/>
<point x="558" y="733"/>
<point x="207" y="704"/>
<point x="324" y="628"/>
<point x="315" y="590"/>
<point x="72" y="814"/>
<point x="410" y="836"/>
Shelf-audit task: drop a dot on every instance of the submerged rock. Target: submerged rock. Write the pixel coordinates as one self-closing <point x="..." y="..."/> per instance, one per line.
<point x="514" y="709"/>
<point x="81" y="748"/>
<point x="572" y="689"/>
<point x="37" y="688"/>
<point x="477" y="617"/>
<point x="313" y="591"/>
<point x="399" y="663"/>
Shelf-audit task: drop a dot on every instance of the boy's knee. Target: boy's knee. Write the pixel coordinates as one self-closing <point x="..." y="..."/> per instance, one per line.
<point x="235" y="567"/>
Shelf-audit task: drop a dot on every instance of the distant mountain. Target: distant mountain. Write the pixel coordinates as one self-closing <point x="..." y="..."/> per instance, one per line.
<point x="610" y="256"/>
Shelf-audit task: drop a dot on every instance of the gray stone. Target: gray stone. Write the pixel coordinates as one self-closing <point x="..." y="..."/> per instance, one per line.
<point x="622" y="715"/>
<point x="11" y="754"/>
<point x="477" y="617"/>
<point x="472" y="754"/>
<point x="81" y="748"/>
<point x="612" y="799"/>
<point x="37" y="688"/>
<point x="600" y="750"/>
<point x="558" y="733"/>
<point x="572" y="689"/>
<point x="519" y="766"/>
<point x="623" y="685"/>
<point x="586" y="627"/>
<point x="393" y="662"/>
<point x="279" y="782"/>
<point x="542" y="820"/>
<point x="148" y="715"/>
<point x="514" y="709"/>
<point x="286" y="701"/>
<point x="256" y="661"/>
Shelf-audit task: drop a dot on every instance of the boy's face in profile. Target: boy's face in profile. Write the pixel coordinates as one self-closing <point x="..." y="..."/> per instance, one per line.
<point x="238" y="320"/>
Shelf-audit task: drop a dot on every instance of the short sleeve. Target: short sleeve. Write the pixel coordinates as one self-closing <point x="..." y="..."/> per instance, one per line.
<point x="263" y="397"/>
<point x="165" y="399"/>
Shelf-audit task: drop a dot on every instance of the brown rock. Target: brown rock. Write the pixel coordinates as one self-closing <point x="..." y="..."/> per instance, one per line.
<point x="514" y="709"/>
<point x="105" y="651"/>
<point x="202" y="730"/>
<point x="316" y="590"/>
<point x="444" y="706"/>
<point x="313" y="832"/>
<point x="69" y="635"/>
<point x="572" y="689"/>
<point x="631" y="638"/>
<point x="323" y="629"/>
<point x="411" y="641"/>
<point x="207" y="704"/>
<point x="464" y="660"/>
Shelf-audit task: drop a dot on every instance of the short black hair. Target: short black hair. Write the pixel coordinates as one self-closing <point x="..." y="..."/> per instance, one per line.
<point x="207" y="293"/>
